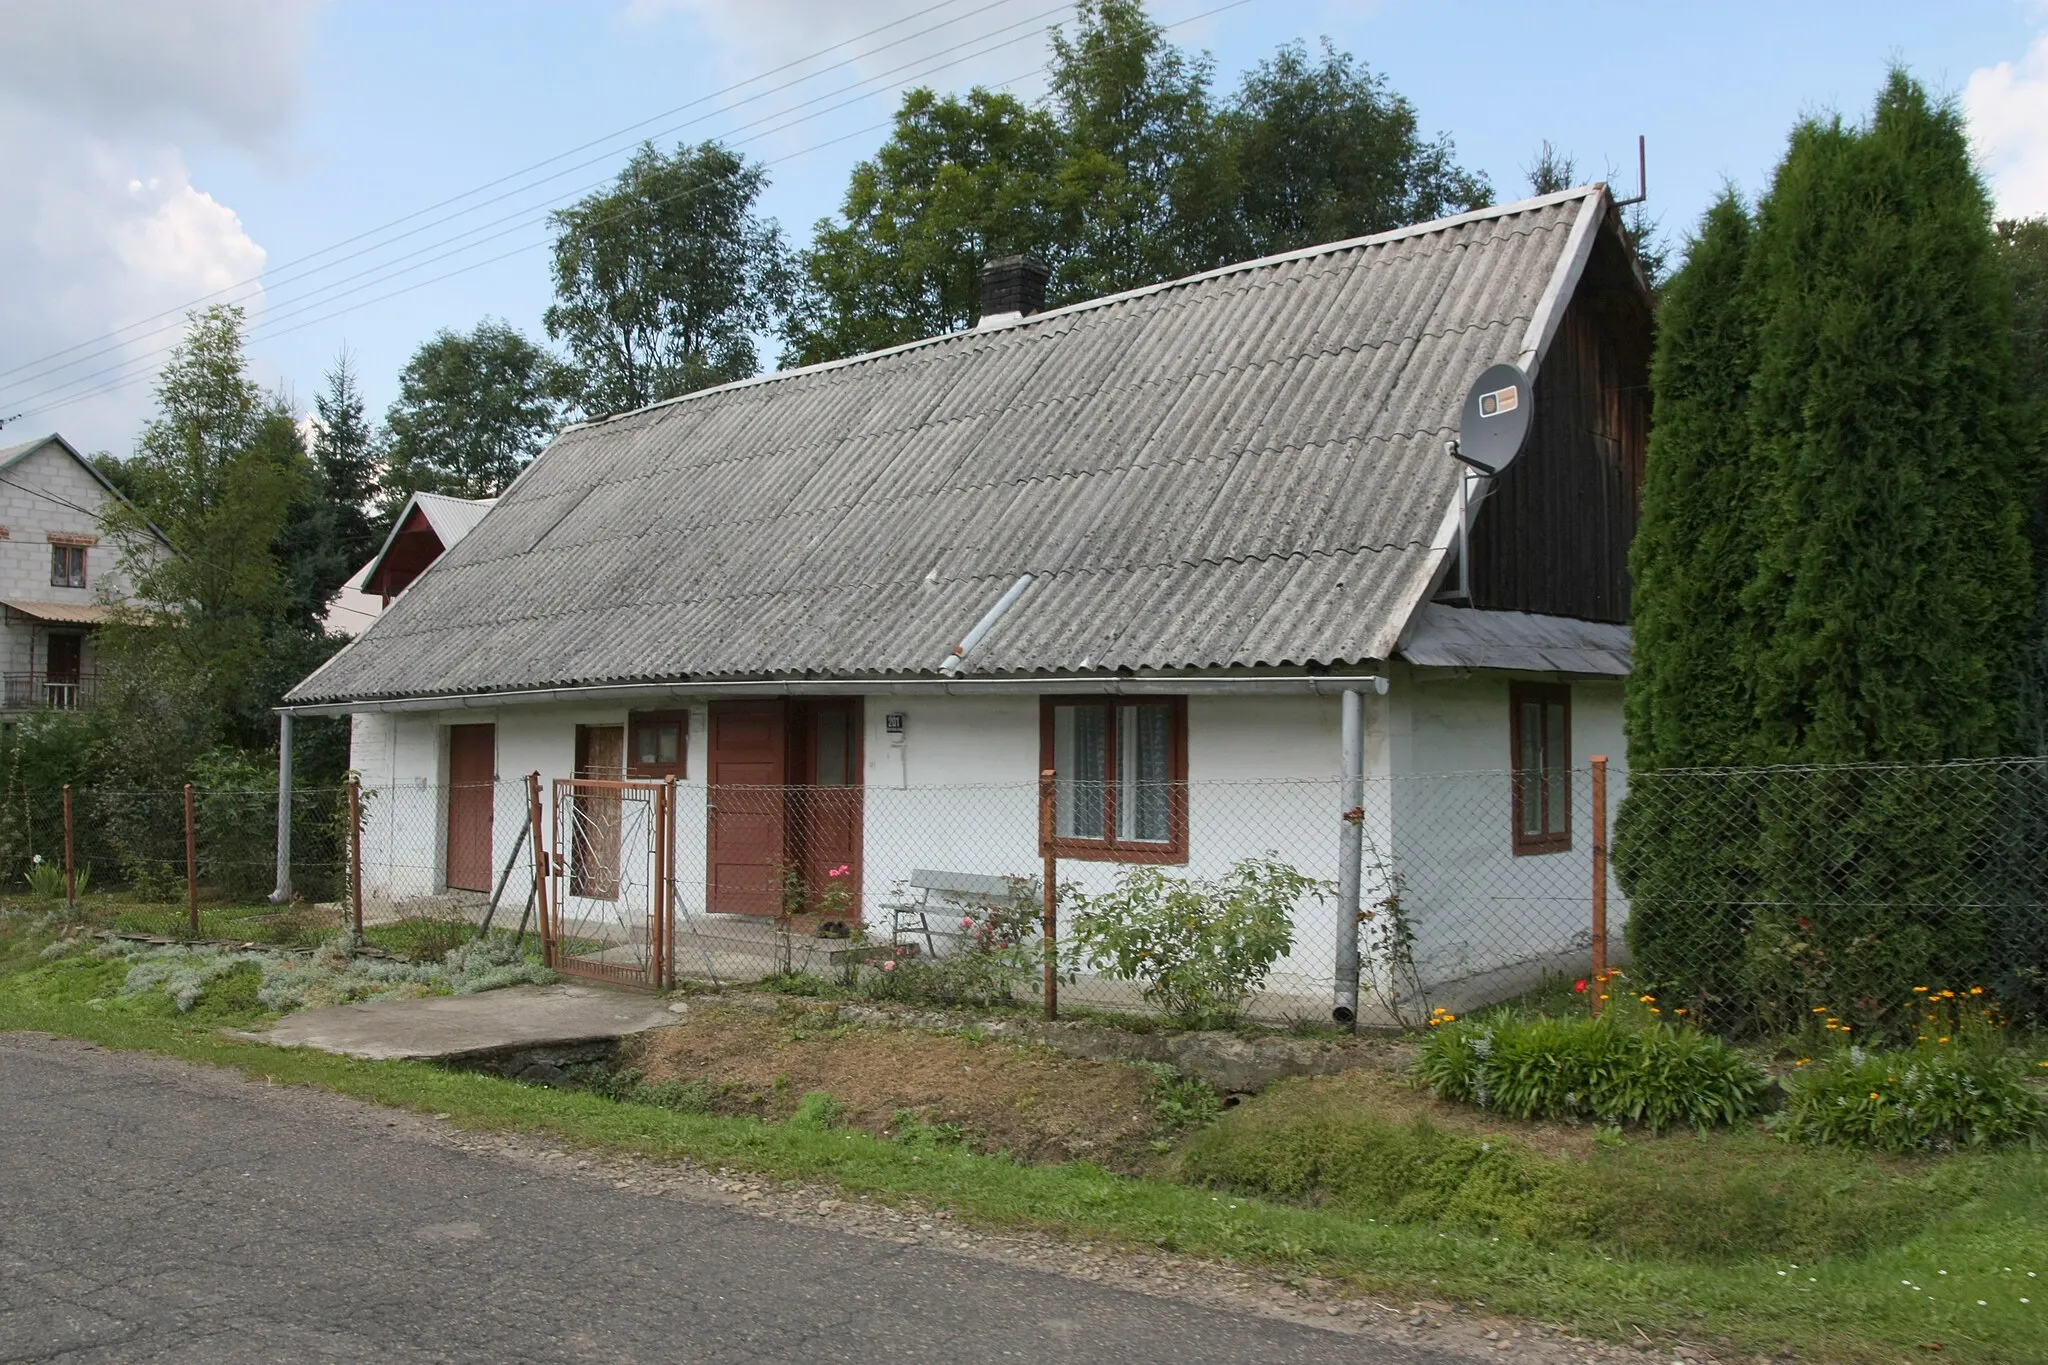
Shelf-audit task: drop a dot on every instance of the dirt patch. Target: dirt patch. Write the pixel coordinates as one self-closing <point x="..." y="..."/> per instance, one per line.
<point x="761" y="1057"/>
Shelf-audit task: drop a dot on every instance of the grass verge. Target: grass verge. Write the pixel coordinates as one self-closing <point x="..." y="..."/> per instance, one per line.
<point x="1958" y="1281"/>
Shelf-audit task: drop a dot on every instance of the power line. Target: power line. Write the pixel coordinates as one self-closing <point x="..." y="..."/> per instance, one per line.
<point x="264" y="331"/>
<point x="270" y="278"/>
<point x="389" y="269"/>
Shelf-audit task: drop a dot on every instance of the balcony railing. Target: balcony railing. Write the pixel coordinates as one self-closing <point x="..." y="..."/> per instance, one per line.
<point x="34" y="691"/>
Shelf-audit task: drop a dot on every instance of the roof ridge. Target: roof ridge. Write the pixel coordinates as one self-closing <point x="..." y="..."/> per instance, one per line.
<point x="1423" y="229"/>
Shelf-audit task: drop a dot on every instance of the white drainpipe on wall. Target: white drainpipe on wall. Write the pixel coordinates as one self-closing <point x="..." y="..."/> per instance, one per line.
<point x="283" y="893"/>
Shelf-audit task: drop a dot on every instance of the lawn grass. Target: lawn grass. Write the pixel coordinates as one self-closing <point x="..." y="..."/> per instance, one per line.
<point x="1878" y="1305"/>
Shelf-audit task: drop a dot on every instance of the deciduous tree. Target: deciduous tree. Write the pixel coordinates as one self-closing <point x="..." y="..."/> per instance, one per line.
<point x="663" y="281"/>
<point x="473" y="407"/>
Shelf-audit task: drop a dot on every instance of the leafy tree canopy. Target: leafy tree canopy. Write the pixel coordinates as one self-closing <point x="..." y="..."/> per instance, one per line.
<point x="1323" y="149"/>
<point x="1131" y="174"/>
<point x="220" y="471"/>
<point x="960" y="180"/>
<point x="473" y="407"/>
<point x="663" y="281"/>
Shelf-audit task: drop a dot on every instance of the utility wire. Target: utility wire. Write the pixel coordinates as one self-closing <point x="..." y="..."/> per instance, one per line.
<point x="179" y="310"/>
<point x="264" y="332"/>
<point x="531" y="215"/>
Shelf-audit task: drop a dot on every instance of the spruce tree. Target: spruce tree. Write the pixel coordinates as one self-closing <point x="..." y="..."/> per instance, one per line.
<point x="345" y="453"/>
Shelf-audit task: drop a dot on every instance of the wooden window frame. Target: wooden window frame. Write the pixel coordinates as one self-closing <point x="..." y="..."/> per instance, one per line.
<point x="1109" y="848"/>
<point x="637" y="770"/>
<point x="1542" y="695"/>
<point x="60" y="555"/>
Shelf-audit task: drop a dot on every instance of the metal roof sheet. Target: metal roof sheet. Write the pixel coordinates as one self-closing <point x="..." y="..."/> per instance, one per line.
<point x="1458" y="637"/>
<point x="1244" y="468"/>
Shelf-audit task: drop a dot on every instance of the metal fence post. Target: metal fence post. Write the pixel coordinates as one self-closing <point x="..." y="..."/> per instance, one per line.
<point x="1350" y="854"/>
<point x="70" y="867"/>
<point x="1599" y="982"/>
<point x="191" y="865"/>
<point x="668" y="882"/>
<point x="1050" y="928"/>
<point x="355" y="855"/>
<point x="540" y="869"/>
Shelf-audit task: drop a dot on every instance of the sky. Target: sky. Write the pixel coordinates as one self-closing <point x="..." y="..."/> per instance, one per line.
<point x="360" y="174"/>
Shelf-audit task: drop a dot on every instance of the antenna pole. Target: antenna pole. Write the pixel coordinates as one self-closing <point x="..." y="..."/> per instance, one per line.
<point x="1642" y="175"/>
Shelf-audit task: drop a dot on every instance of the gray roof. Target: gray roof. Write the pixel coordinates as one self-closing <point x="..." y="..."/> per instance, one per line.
<point x="1459" y="637"/>
<point x="1240" y="469"/>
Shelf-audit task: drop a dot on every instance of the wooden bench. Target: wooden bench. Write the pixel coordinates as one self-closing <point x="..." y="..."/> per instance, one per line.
<point x="936" y="893"/>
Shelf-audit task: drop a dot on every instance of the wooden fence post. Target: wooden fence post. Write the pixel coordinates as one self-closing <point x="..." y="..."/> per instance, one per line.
<point x="540" y="869"/>
<point x="1049" y="930"/>
<point x="70" y="867"/>
<point x="191" y="865"/>
<point x="1599" y="982"/>
<point x="355" y="856"/>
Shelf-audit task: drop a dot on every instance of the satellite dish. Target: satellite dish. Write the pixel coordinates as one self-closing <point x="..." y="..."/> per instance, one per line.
<point x="1495" y="423"/>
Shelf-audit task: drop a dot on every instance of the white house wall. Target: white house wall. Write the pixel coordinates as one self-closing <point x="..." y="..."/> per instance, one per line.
<point x="956" y="791"/>
<point x="44" y="494"/>
<point x="1488" y="923"/>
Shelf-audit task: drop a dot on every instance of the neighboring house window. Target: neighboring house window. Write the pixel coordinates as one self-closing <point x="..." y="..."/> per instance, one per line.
<point x="1122" y="771"/>
<point x="1540" y="732"/>
<point x="658" y="743"/>
<point x="67" y="566"/>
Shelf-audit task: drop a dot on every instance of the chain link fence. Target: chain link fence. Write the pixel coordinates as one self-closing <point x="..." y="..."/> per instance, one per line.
<point x="1750" y="897"/>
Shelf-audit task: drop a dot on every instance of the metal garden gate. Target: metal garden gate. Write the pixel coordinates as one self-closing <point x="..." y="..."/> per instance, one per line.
<point x="611" y="914"/>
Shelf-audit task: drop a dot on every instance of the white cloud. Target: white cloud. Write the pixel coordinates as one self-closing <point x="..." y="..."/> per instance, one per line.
<point x="99" y="219"/>
<point x="2007" y="106"/>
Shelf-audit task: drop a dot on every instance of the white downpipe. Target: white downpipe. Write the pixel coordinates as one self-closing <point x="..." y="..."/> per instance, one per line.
<point x="283" y="893"/>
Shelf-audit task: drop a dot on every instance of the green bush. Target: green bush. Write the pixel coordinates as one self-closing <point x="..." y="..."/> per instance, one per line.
<point x="1197" y="948"/>
<point x="1599" y="1069"/>
<point x="1739" y="1196"/>
<point x="1935" y="1096"/>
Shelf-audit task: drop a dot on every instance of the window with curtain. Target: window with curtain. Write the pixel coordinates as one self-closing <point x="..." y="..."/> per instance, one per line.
<point x="1540" y="736"/>
<point x="1121" y="777"/>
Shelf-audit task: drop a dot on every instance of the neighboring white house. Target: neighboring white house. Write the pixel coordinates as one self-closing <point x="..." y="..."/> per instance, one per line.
<point x="423" y="531"/>
<point x="855" y="609"/>
<point x="59" y="575"/>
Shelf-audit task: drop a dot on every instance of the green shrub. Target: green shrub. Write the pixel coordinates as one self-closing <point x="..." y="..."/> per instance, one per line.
<point x="1935" y="1096"/>
<point x="1738" y="1196"/>
<point x="1600" y="1069"/>
<point x="45" y="880"/>
<point x="1196" y="947"/>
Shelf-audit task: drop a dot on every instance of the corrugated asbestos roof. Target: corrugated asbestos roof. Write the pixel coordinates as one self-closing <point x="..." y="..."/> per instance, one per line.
<point x="1459" y="637"/>
<point x="451" y="518"/>
<point x="1241" y="469"/>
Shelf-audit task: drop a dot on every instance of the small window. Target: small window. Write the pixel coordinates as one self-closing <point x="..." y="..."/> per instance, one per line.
<point x="67" y="566"/>
<point x="1122" y="777"/>
<point x="1540" y="732"/>
<point x="659" y="741"/>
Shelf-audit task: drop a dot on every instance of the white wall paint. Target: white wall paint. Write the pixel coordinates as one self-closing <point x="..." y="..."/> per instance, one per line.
<point x="958" y="793"/>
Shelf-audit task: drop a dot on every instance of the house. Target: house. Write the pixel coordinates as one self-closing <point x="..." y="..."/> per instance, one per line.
<point x="421" y="533"/>
<point x="59" y="576"/>
<point x="854" y="610"/>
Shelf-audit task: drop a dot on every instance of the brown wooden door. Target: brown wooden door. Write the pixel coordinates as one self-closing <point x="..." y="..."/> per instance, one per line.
<point x="747" y="769"/>
<point x="472" y="771"/>
<point x="825" y="803"/>
<point x="594" y="843"/>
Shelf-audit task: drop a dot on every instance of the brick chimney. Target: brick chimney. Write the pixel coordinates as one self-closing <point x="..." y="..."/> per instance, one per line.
<point x="1012" y="287"/>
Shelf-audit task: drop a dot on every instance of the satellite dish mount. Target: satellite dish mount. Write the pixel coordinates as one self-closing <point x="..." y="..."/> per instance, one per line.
<point x="1492" y="429"/>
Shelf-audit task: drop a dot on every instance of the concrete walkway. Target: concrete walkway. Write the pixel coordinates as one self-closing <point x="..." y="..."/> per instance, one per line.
<point x="450" y="1027"/>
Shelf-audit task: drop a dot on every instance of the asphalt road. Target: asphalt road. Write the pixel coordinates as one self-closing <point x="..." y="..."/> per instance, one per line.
<point x="150" y="1211"/>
